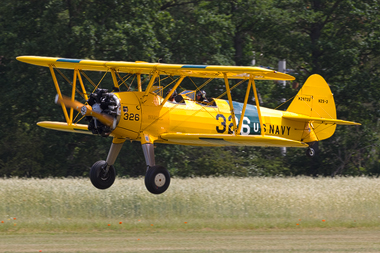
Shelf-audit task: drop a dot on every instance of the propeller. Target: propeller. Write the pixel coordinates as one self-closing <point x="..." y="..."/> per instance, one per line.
<point x="86" y="110"/>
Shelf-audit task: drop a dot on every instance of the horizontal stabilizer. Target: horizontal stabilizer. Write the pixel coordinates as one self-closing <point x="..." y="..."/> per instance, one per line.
<point x="230" y="140"/>
<point x="319" y="120"/>
<point x="63" y="126"/>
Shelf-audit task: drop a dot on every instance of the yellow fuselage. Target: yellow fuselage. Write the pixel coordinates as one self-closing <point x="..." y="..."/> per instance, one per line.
<point x="145" y="115"/>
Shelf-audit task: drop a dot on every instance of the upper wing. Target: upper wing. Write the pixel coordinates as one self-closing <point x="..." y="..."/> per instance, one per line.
<point x="204" y="71"/>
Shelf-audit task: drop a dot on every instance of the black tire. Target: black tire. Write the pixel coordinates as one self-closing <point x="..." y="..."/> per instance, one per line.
<point x="310" y="152"/>
<point x="313" y="149"/>
<point x="98" y="178"/>
<point x="157" y="179"/>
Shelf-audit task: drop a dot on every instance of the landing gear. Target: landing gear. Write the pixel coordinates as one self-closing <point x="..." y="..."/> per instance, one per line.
<point x="102" y="176"/>
<point x="313" y="149"/>
<point x="310" y="152"/>
<point x="102" y="173"/>
<point x="157" y="179"/>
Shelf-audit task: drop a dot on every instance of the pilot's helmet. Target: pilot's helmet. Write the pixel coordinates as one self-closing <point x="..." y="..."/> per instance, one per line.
<point x="202" y="93"/>
<point x="174" y="93"/>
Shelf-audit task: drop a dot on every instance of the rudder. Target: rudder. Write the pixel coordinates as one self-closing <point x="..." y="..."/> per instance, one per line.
<point x="315" y="100"/>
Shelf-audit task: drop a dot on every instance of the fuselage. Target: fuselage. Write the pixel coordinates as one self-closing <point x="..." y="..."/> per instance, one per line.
<point x="145" y="114"/>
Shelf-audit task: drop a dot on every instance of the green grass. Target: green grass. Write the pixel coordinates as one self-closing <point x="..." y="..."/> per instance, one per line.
<point x="28" y="205"/>
<point x="315" y="240"/>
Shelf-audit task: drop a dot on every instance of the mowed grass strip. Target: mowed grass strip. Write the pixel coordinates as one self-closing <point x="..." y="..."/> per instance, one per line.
<point x="195" y="203"/>
<point x="272" y="240"/>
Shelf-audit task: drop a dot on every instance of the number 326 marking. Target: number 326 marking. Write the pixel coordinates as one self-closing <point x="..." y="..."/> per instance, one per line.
<point x="131" y="116"/>
<point x="221" y="129"/>
<point x="245" y="129"/>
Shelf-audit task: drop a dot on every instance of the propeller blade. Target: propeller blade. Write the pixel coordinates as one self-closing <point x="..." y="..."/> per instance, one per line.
<point x="68" y="102"/>
<point x="86" y="110"/>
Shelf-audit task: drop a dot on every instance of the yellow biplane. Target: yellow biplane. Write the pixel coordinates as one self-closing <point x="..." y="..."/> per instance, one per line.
<point x="187" y="118"/>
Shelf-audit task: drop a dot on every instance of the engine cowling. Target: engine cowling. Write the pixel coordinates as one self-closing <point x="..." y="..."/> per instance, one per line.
<point x="103" y="102"/>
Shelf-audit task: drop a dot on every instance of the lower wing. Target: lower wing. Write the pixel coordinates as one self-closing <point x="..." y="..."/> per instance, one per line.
<point x="230" y="140"/>
<point x="63" y="126"/>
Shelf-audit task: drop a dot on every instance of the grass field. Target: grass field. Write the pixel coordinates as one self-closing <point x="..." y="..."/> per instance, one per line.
<point x="194" y="215"/>
<point x="273" y="240"/>
<point x="199" y="203"/>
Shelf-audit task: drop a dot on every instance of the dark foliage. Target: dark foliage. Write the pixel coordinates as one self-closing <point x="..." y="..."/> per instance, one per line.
<point x="338" y="39"/>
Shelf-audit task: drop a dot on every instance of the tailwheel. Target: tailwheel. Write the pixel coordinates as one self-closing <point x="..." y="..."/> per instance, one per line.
<point x="101" y="177"/>
<point x="310" y="152"/>
<point x="313" y="149"/>
<point x="157" y="179"/>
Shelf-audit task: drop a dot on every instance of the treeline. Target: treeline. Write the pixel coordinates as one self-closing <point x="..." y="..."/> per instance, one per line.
<point x="338" y="39"/>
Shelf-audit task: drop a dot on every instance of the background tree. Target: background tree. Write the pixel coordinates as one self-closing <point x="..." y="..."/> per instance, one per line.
<point x="337" y="39"/>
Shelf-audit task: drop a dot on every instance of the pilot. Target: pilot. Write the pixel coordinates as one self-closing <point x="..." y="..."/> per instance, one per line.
<point x="172" y="97"/>
<point x="201" y="97"/>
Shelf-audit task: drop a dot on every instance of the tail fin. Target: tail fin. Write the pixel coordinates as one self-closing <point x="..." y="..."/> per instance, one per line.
<point x="315" y="100"/>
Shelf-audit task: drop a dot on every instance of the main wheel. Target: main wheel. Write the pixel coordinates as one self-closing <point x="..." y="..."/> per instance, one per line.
<point x="99" y="177"/>
<point x="157" y="179"/>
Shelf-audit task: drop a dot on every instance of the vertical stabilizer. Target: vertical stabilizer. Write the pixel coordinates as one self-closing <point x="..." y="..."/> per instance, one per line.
<point x="315" y="100"/>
